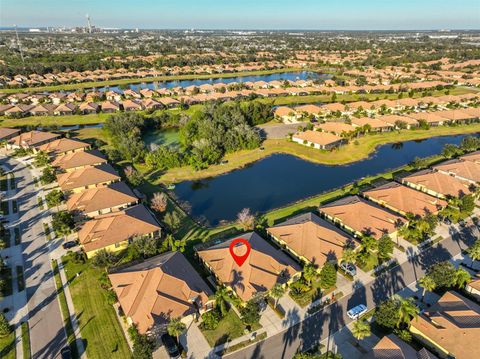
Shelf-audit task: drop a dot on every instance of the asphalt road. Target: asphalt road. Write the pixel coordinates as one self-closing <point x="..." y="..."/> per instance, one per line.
<point x="328" y="321"/>
<point x="47" y="334"/>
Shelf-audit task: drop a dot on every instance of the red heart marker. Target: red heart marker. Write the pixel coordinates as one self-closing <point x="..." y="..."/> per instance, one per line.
<point x="237" y="258"/>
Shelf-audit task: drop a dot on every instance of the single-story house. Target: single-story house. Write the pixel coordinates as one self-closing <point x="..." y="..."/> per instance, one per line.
<point x="80" y="159"/>
<point x="8" y="133"/>
<point x="392" y="347"/>
<point x="375" y="124"/>
<point x="163" y="287"/>
<point x="318" y="140"/>
<point x="264" y="267"/>
<point x="114" y="231"/>
<point x="32" y="139"/>
<point x="88" y="177"/>
<point x="63" y="146"/>
<point x="360" y="217"/>
<point x="466" y="170"/>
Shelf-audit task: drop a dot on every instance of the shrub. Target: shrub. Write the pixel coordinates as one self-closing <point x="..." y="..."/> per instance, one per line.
<point x="250" y="313"/>
<point x="211" y="319"/>
<point x="328" y="275"/>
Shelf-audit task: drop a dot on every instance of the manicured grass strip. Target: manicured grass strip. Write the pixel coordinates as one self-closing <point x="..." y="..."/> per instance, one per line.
<point x="18" y="236"/>
<point x="40" y="202"/>
<point x="4" y="208"/>
<point x="7" y="346"/>
<point x="27" y="354"/>
<point x="98" y="323"/>
<point x="5" y="237"/>
<point x="3" y="183"/>
<point x="20" y="278"/>
<point x="64" y="308"/>
<point x="46" y="229"/>
<point x="12" y="181"/>
<point x="243" y="344"/>
<point x="14" y="206"/>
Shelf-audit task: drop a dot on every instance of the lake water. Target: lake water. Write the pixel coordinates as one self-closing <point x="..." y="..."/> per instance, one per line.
<point x="292" y="76"/>
<point x="282" y="179"/>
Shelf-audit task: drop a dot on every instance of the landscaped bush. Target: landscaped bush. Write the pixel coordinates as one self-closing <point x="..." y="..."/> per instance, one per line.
<point x="62" y="223"/>
<point x="250" y="313"/>
<point x="211" y="319"/>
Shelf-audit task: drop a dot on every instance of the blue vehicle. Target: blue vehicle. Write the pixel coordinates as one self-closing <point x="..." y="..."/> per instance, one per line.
<point x="357" y="311"/>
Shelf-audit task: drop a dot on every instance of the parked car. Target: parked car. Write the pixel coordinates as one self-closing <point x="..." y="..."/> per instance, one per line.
<point x="66" y="353"/>
<point x="69" y="244"/>
<point x="357" y="311"/>
<point x="170" y="345"/>
<point x="349" y="268"/>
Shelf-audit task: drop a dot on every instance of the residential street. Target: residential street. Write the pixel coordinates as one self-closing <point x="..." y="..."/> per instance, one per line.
<point x="47" y="334"/>
<point x="325" y="323"/>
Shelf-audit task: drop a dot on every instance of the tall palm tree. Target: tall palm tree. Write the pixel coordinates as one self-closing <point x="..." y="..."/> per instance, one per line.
<point x="361" y="329"/>
<point x="406" y="310"/>
<point x="428" y="285"/>
<point x="176" y="327"/>
<point x="222" y="299"/>
<point x="462" y="277"/>
<point x="277" y="292"/>
<point x="309" y="272"/>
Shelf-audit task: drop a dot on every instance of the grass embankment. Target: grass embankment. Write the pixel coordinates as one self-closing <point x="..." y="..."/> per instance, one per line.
<point x="65" y="312"/>
<point x="83" y="85"/>
<point x="97" y="320"/>
<point x="7" y="346"/>
<point x="344" y="155"/>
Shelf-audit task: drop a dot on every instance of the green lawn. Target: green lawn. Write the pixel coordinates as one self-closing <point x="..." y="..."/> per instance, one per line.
<point x="7" y="276"/>
<point x="3" y="183"/>
<point x="98" y="323"/>
<point x="26" y="341"/>
<point x="370" y="263"/>
<point x="7" y="346"/>
<point x="14" y="206"/>
<point x="316" y="292"/>
<point x="4" y="208"/>
<point x="65" y="312"/>
<point x="18" y="236"/>
<point x="12" y="181"/>
<point x="20" y="279"/>
<point x="229" y="328"/>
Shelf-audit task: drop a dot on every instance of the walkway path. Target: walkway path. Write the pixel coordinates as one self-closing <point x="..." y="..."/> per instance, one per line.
<point x="47" y="335"/>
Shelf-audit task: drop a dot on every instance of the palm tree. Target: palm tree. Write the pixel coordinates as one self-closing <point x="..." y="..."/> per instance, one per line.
<point x="222" y="299"/>
<point x="176" y="327"/>
<point x="462" y="277"/>
<point x="474" y="251"/>
<point x="361" y="329"/>
<point x="406" y="310"/>
<point x="428" y="285"/>
<point x="309" y="272"/>
<point x="349" y="255"/>
<point x="277" y="292"/>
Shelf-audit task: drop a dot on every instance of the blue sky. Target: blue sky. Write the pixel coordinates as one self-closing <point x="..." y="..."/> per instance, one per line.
<point x="246" y="14"/>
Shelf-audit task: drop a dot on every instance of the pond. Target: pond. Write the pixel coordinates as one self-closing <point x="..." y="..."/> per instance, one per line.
<point x="292" y="76"/>
<point x="282" y="179"/>
<point x="167" y="137"/>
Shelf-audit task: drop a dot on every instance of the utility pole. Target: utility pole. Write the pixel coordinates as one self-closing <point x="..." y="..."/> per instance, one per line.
<point x="19" y="45"/>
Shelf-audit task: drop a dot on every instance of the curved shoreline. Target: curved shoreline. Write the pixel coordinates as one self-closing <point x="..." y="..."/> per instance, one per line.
<point x="348" y="154"/>
<point x="164" y="78"/>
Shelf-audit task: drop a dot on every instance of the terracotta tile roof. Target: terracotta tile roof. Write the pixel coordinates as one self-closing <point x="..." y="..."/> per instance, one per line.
<point x="336" y="127"/>
<point x="455" y="115"/>
<point x="284" y="111"/>
<point x="333" y="107"/>
<point x="429" y="117"/>
<point x="264" y="267"/>
<point x="472" y="111"/>
<point x="79" y="159"/>
<point x="158" y="289"/>
<point x="363" y="216"/>
<point x="472" y="157"/>
<point x="111" y="228"/>
<point x="405" y="199"/>
<point x="374" y="123"/>
<point x="475" y="283"/>
<point x="321" y="138"/>
<point x="312" y="237"/>
<point x="6" y="132"/>
<point x="392" y="347"/>
<point x="101" y="198"/>
<point x="463" y="169"/>
<point x="311" y="109"/>
<point x="33" y="138"/>
<point x="454" y="324"/>
<point x="63" y="145"/>
<point x="87" y="176"/>
<point x="392" y="119"/>
<point x="439" y="183"/>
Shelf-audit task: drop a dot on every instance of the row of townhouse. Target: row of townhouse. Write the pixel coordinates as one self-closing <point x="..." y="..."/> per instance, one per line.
<point x="50" y="79"/>
<point x="294" y="114"/>
<point x="332" y="134"/>
<point x="107" y="212"/>
<point x="23" y="104"/>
